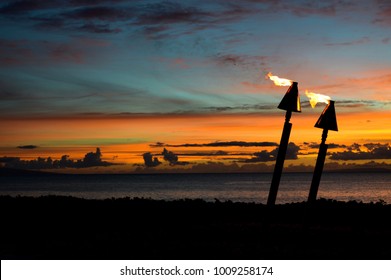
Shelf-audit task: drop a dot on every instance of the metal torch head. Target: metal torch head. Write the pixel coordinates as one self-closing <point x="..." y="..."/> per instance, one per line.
<point x="328" y="119"/>
<point x="291" y="100"/>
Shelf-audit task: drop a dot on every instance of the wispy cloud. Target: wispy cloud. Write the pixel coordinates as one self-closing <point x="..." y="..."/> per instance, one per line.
<point x="27" y="147"/>
<point x="219" y="144"/>
<point x="360" y="41"/>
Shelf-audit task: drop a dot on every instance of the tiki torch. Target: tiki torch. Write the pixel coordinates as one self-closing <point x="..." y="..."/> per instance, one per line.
<point x="290" y="103"/>
<point x="327" y="121"/>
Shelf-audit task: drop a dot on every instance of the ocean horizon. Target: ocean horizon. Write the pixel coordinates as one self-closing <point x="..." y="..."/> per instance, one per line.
<point x="237" y="187"/>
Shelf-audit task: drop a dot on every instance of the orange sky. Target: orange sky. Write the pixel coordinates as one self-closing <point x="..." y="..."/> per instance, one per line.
<point x="124" y="139"/>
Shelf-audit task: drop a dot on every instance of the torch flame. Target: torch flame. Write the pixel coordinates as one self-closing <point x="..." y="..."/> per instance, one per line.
<point x="316" y="97"/>
<point x="279" y="81"/>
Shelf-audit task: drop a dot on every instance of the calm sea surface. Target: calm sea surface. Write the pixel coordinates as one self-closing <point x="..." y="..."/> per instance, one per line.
<point x="294" y="187"/>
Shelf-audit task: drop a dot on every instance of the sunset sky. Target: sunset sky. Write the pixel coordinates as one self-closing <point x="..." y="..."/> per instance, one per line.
<point x="133" y="77"/>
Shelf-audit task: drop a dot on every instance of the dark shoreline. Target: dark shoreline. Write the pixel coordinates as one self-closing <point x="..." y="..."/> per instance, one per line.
<point x="57" y="227"/>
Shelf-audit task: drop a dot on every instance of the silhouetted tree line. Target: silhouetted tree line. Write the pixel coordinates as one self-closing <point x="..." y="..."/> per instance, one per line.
<point x="90" y="159"/>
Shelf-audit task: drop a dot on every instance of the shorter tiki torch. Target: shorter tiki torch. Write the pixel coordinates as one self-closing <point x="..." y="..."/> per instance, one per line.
<point x="327" y="121"/>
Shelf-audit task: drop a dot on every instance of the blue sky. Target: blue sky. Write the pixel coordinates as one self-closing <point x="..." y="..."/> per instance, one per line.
<point x="162" y="56"/>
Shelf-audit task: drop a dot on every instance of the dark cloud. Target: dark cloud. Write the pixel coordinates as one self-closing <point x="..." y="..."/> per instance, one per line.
<point x="245" y="61"/>
<point x="17" y="7"/>
<point x="85" y="16"/>
<point x="315" y="145"/>
<point x="360" y="41"/>
<point x="386" y="40"/>
<point x="264" y="156"/>
<point x="313" y="8"/>
<point x="16" y="52"/>
<point x="356" y="103"/>
<point x="150" y="17"/>
<point x="244" y="107"/>
<point x="228" y="144"/>
<point x="98" y="28"/>
<point x="90" y="160"/>
<point x="25" y="6"/>
<point x="82" y="3"/>
<point x="27" y="147"/>
<point x="291" y="152"/>
<point x="157" y="145"/>
<point x="172" y="158"/>
<point x="374" y="151"/>
<point x="383" y="16"/>
<point x="354" y="147"/>
<point x="208" y="154"/>
<point x="150" y="161"/>
<point x="170" y="12"/>
<point x="102" y="13"/>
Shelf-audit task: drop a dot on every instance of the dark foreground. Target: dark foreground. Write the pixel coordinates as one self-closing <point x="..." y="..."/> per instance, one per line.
<point x="56" y="227"/>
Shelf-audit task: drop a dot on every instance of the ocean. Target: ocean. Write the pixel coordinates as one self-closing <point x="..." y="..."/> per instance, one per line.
<point x="249" y="187"/>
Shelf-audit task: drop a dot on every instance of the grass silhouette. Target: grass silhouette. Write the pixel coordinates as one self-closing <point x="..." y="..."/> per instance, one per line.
<point x="57" y="227"/>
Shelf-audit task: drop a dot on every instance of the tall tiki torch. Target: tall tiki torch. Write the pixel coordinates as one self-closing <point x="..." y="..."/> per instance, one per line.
<point x="327" y="121"/>
<point x="290" y="103"/>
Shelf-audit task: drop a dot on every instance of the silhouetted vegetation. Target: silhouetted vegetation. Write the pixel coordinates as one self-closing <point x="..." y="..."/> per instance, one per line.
<point x="55" y="227"/>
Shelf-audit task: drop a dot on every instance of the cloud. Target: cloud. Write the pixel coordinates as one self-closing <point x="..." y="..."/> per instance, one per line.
<point x="252" y="62"/>
<point x="25" y="6"/>
<point x="358" y="103"/>
<point x="27" y="147"/>
<point x="241" y="108"/>
<point x="208" y="154"/>
<point x="313" y="9"/>
<point x="374" y="151"/>
<point x="383" y="15"/>
<point x="151" y="17"/>
<point x="315" y="145"/>
<point x="224" y="144"/>
<point x="264" y="156"/>
<point x="85" y="16"/>
<point x="170" y="156"/>
<point x="360" y="41"/>
<point x="90" y="159"/>
<point x="102" y="13"/>
<point x="386" y="40"/>
<point x="26" y="52"/>
<point x="157" y="145"/>
<point x="169" y="13"/>
<point x="99" y="28"/>
<point x="150" y="161"/>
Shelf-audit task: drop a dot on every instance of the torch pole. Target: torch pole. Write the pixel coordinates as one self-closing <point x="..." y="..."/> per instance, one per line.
<point x="280" y="159"/>
<point x="318" y="168"/>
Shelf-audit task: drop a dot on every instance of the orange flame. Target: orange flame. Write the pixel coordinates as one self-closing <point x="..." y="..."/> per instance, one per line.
<point x="279" y="81"/>
<point x="316" y="98"/>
